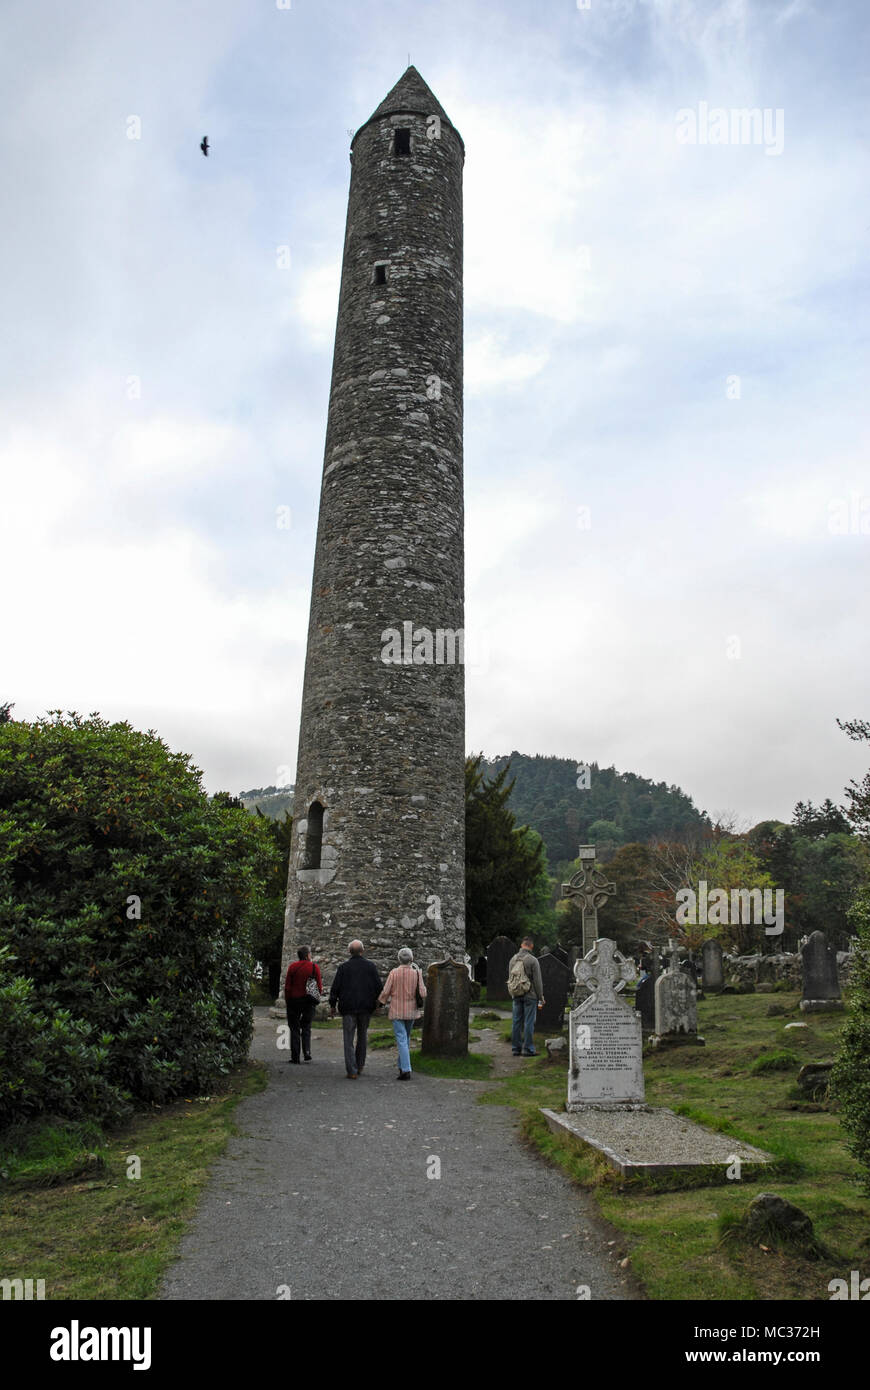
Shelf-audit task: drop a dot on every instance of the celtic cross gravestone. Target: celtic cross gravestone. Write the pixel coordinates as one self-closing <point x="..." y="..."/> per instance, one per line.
<point x="591" y="889"/>
<point x="606" y="1043"/>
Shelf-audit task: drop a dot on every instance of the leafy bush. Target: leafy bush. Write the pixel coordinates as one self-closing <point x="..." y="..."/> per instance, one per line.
<point x="127" y="901"/>
<point x="850" y="1078"/>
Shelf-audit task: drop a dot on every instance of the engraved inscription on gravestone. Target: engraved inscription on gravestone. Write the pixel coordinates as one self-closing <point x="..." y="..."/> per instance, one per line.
<point x="606" y="1044"/>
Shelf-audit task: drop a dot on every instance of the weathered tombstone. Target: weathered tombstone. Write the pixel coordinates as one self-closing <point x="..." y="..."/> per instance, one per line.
<point x="821" y="993"/>
<point x="556" y="980"/>
<point x="645" y="1003"/>
<point x="676" y="1006"/>
<point x="445" y="1017"/>
<point x="591" y="889"/>
<point x="561" y="954"/>
<point x="606" y="1043"/>
<point x="711" y="967"/>
<point x="498" y="957"/>
<point x="480" y="970"/>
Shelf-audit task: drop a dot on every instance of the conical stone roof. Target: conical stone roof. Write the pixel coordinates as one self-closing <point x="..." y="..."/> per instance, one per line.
<point x="410" y="95"/>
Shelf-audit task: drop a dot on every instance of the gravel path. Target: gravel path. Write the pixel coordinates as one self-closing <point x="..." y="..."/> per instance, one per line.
<point x="326" y="1192"/>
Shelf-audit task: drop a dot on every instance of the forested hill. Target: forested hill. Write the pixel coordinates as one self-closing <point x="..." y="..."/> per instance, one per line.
<point x="621" y="806"/>
<point x="617" y="808"/>
<point x="272" y="801"/>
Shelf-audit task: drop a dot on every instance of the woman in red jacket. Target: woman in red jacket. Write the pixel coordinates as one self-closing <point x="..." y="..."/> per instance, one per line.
<point x="300" y="1002"/>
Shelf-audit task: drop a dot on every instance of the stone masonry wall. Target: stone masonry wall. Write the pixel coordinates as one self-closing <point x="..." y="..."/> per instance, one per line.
<point x="382" y="746"/>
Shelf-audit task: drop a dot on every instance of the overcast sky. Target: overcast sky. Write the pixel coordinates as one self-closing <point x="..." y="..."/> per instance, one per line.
<point x="667" y="480"/>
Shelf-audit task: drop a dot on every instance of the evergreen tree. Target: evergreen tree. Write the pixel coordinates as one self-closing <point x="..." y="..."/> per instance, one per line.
<point x="815" y="822"/>
<point x="504" y="864"/>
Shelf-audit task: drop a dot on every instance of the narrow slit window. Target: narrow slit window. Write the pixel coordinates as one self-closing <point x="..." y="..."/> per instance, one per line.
<point x="380" y="274"/>
<point x="313" y="836"/>
<point x="402" y="141"/>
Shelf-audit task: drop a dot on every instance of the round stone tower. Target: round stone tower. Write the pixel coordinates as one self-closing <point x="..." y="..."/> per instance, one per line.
<point x="379" y="809"/>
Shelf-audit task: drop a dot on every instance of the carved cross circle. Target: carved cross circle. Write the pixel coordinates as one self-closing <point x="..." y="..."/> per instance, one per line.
<point x="606" y="966"/>
<point x="591" y="888"/>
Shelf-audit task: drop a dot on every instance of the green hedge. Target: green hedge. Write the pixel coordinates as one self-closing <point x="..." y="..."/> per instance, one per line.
<point x="106" y="1001"/>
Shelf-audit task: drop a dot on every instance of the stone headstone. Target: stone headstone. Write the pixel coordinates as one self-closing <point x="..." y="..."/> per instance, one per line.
<point x="711" y="967"/>
<point x="562" y="955"/>
<point x="498" y="957"/>
<point x="821" y="983"/>
<point x="556" y="979"/>
<point x="445" y="1018"/>
<point x="676" y="1006"/>
<point x="605" y="1039"/>
<point x="645" y="1003"/>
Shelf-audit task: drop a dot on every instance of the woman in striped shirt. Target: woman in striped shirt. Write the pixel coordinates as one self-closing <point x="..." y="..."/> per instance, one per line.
<point x="400" y="992"/>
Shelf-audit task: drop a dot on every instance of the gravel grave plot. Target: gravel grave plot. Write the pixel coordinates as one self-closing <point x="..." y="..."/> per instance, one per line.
<point x="636" y="1141"/>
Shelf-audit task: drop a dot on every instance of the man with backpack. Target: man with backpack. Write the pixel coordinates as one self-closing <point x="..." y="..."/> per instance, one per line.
<point x="526" y="989"/>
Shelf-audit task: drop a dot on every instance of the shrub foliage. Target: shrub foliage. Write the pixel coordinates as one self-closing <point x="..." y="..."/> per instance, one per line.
<point x="851" y="1074"/>
<point x="127" y="903"/>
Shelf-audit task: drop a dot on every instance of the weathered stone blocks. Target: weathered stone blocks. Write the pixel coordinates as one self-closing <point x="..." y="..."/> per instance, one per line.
<point x="381" y="744"/>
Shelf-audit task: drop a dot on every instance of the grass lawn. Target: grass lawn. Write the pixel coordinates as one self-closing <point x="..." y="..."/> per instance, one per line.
<point x="679" y="1236"/>
<point x="70" y="1215"/>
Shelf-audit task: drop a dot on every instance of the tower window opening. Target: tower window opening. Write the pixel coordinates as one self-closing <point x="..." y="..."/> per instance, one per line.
<point x="313" y="836"/>
<point x="402" y="141"/>
<point x="380" y="274"/>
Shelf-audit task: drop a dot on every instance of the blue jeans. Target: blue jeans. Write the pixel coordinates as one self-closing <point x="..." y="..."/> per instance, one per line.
<point x="523" y="1031"/>
<point x="402" y="1030"/>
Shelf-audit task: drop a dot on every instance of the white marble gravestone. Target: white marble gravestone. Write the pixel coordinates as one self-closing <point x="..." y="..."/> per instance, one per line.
<point x="606" y="1040"/>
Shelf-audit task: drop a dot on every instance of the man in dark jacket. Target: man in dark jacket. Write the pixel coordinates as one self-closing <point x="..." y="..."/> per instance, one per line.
<point x="528" y="997"/>
<point x="355" y="990"/>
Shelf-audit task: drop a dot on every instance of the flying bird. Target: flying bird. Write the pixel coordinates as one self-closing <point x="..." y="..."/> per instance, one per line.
<point x="203" y="145"/>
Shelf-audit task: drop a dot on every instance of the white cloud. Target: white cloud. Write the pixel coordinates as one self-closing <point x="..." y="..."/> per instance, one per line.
<point x="489" y="366"/>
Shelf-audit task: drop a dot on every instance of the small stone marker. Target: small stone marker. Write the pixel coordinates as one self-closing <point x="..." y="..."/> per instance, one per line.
<point x="591" y="889"/>
<point x="445" y="1018"/>
<point x="711" y="966"/>
<point x="556" y="979"/>
<point x="498" y="958"/>
<point x="606" y="1043"/>
<point x="821" y="981"/>
<point x="676" y="1006"/>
